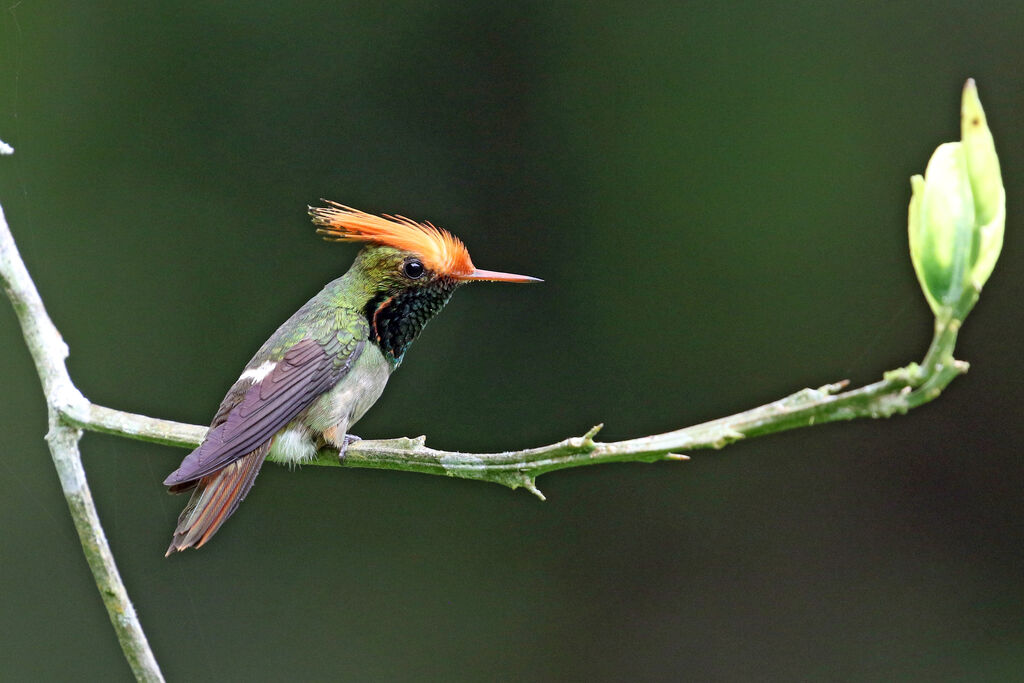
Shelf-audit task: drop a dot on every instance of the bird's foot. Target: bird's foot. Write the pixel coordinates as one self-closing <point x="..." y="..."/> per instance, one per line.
<point x="349" y="438"/>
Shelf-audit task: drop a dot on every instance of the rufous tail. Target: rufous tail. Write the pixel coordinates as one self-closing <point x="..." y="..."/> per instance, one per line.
<point x="215" y="498"/>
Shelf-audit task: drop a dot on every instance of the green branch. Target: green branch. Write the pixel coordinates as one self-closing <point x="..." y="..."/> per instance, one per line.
<point x="897" y="392"/>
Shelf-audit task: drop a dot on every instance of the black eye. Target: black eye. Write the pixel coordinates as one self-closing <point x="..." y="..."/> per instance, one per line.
<point x="413" y="269"/>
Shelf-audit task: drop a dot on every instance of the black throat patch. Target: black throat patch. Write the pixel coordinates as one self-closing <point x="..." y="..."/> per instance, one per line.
<point x="396" y="320"/>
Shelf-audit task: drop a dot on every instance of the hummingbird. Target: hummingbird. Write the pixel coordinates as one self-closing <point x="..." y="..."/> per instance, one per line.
<point x="327" y="364"/>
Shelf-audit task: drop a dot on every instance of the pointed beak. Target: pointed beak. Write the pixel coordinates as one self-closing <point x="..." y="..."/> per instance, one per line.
<point x="495" y="276"/>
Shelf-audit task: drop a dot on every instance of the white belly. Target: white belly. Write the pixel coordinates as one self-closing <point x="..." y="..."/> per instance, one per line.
<point x="335" y="411"/>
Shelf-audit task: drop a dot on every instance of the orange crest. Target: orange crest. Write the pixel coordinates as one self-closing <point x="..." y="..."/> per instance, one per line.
<point x="441" y="251"/>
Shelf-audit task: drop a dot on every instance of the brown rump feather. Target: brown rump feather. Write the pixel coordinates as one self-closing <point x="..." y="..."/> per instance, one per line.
<point x="215" y="498"/>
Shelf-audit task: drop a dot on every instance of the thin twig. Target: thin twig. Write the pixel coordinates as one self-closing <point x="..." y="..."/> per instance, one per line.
<point x="897" y="392"/>
<point x="49" y="352"/>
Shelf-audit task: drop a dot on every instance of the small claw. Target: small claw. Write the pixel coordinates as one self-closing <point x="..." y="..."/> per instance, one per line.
<point x="349" y="438"/>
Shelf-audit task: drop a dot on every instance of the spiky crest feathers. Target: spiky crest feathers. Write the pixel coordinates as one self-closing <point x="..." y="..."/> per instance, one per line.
<point x="440" y="251"/>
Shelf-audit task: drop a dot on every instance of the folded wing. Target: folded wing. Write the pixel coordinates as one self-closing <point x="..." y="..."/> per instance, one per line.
<point x="260" y="410"/>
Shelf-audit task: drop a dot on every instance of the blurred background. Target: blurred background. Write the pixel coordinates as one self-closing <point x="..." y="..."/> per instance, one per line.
<point x="716" y="198"/>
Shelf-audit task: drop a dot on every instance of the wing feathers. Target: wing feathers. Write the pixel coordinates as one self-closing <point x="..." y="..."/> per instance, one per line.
<point x="304" y="373"/>
<point x="224" y="467"/>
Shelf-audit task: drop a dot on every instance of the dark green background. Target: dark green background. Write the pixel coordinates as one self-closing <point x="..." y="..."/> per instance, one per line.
<point x="716" y="197"/>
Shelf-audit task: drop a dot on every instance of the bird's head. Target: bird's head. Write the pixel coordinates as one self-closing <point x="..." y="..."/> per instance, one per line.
<point x="411" y="269"/>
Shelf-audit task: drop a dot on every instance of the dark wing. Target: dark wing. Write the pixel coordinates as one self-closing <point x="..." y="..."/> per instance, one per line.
<point x="249" y="417"/>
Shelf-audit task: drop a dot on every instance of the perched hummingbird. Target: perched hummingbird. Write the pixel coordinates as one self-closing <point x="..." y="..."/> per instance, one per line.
<point x="324" y="367"/>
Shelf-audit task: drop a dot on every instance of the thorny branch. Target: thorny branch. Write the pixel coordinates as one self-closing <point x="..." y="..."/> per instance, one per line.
<point x="897" y="392"/>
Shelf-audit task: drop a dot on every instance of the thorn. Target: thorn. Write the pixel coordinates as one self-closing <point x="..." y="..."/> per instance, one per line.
<point x="835" y="387"/>
<point x="530" y="485"/>
<point x="589" y="436"/>
<point x="676" y="456"/>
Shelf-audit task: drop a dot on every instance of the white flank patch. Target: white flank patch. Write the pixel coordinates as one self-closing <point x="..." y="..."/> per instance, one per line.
<point x="293" y="446"/>
<point x="257" y="374"/>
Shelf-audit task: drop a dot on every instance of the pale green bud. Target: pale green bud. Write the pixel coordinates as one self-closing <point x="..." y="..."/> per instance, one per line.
<point x="986" y="184"/>
<point x="940" y="221"/>
<point x="957" y="214"/>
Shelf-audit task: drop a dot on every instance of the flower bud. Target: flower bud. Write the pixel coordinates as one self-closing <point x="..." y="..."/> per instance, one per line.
<point x="957" y="214"/>
<point x="986" y="184"/>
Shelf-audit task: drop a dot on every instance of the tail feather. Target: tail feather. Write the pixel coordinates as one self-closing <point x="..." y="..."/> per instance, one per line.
<point x="215" y="498"/>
